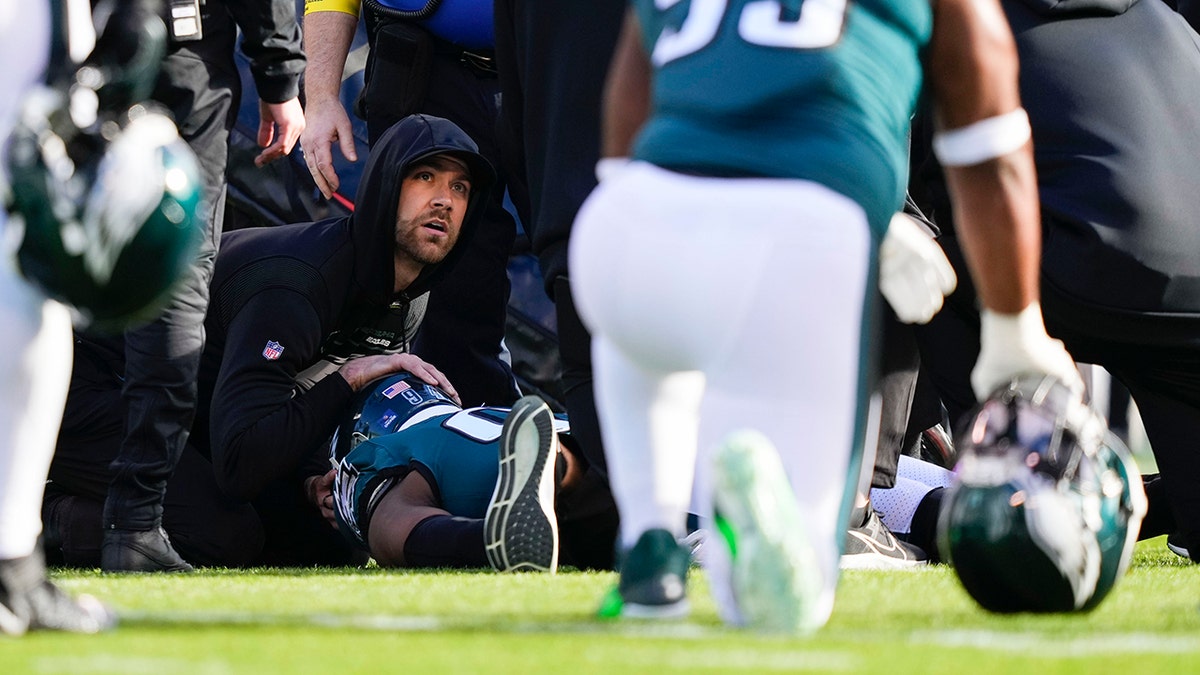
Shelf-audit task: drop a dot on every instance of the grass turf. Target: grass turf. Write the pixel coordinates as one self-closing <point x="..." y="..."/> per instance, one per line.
<point x="216" y="622"/>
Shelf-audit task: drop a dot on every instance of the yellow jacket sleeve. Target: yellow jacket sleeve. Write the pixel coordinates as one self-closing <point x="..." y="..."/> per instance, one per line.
<point x="345" y="6"/>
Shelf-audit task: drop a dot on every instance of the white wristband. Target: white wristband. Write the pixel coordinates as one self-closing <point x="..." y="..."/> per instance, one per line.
<point x="983" y="140"/>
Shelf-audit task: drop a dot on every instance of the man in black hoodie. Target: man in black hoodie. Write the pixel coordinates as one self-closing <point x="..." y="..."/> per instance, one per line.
<point x="301" y="317"/>
<point x="1110" y="87"/>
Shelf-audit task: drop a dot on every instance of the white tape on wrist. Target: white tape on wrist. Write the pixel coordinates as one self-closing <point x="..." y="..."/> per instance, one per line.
<point x="1009" y="330"/>
<point x="983" y="140"/>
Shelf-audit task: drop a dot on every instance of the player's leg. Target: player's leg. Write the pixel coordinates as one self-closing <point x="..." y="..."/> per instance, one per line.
<point x="436" y="478"/>
<point x="1172" y="422"/>
<point x="409" y="506"/>
<point x="463" y="329"/>
<point x="633" y="280"/>
<point x="162" y="358"/>
<point x="391" y="504"/>
<point x="36" y="342"/>
<point x="796" y="373"/>
<point x="869" y="543"/>
<point x="909" y="509"/>
<point x="649" y="421"/>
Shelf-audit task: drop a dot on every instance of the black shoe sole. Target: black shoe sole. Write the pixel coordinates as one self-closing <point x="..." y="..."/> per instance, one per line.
<point x="520" y="530"/>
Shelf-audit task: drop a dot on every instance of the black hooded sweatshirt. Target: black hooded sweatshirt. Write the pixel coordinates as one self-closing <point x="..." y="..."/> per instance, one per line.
<point x="292" y="303"/>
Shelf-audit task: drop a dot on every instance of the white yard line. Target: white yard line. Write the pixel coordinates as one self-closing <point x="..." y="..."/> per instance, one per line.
<point x="1058" y="647"/>
<point x="119" y="664"/>
<point x="726" y="660"/>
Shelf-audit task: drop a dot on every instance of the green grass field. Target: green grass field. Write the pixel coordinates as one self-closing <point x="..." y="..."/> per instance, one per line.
<point x="372" y="620"/>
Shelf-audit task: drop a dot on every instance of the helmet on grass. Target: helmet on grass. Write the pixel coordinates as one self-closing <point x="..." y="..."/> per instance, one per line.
<point x="1046" y="503"/>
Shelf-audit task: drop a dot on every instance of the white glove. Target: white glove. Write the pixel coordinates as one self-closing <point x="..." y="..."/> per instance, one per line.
<point x="607" y="167"/>
<point x="1016" y="344"/>
<point x="914" y="274"/>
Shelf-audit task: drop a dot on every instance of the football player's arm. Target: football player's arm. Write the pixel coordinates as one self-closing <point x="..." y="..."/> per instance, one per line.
<point x="973" y="69"/>
<point x="327" y="39"/>
<point x="626" y="92"/>
<point x="262" y="427"/>
<point x="985" y="150"/>
<point x="271" y="39"/>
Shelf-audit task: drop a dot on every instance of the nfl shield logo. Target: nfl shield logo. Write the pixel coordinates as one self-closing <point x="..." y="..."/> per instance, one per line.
<point x="272" y="351"/>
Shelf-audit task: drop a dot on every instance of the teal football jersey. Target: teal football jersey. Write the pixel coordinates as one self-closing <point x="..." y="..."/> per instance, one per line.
<point x="457" y="452"/>
<point x="821" y="90"/>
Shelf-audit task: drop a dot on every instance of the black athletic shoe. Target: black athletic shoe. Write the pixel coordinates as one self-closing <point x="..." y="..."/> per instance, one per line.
<point x="140" y="551"/>
<point x="937" y="446"/>
<point x="520" y="529"/>
<point x="872" y="546"/>
<point x="1175" y="545"/>
<point x="30" y="601"/>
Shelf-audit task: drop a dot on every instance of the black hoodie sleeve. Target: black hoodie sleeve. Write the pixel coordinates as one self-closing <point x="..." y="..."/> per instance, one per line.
<point x="271" y="40"/>
<point x="263" y="427"/>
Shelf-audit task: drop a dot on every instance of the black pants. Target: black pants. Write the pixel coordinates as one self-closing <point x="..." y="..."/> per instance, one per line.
<point x="908" y="407"/>
<point x="1164" y="382"/>
<point x="162" y="359"/>
<point x="553" y="56"/>
<point x="463" y="330"/>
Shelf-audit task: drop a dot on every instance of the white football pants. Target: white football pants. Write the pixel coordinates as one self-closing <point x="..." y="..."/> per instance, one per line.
<point x="717" y="305"/>
<point x="35" y="333"/>
<point x="35" y="372"/>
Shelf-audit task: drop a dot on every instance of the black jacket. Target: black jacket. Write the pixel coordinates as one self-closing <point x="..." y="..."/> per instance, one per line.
<point x="270" y="39"/>
<point x="291" y="303"/>
<point x="1111" y="89"/>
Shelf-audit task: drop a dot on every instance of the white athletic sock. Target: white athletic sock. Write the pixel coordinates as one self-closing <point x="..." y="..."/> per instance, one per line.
<point x="914" y="479"/>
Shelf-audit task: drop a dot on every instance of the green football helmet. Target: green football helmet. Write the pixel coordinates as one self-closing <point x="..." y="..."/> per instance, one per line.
<point x="104" y="213"/>
<point x="1046" y="502"/>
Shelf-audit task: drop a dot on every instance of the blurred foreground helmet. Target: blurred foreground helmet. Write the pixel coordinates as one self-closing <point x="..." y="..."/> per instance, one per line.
<point x="1046" y="503"/>
<point x="104" y="212"/>
<point x="382" y="407"/>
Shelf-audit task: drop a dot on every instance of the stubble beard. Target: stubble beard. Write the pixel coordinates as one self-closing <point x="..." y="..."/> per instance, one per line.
<point x="410" y="245"/>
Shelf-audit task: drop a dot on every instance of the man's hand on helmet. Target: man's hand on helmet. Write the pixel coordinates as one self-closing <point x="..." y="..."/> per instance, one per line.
<point x="362" y="371"/>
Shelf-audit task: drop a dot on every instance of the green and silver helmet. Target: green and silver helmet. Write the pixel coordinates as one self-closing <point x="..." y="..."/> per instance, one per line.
<point x="1046" y="502"/>
<point x="104" y="214"/>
